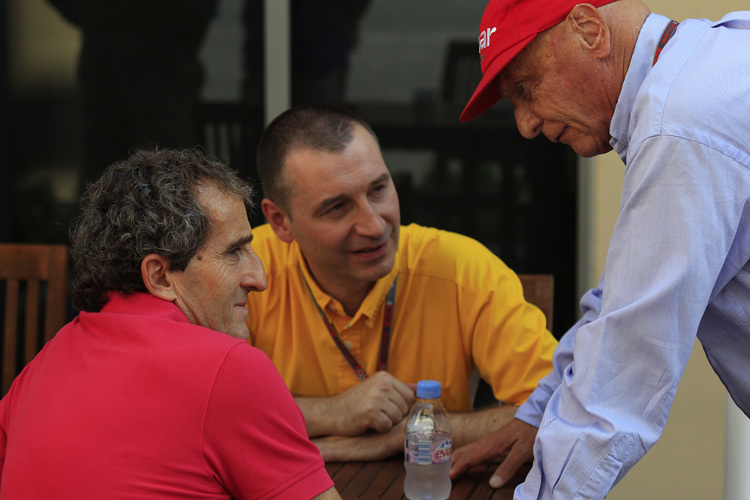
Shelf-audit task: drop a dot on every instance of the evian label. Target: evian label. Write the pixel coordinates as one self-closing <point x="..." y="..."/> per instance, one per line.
<point x="425" y="451"/>
<point x="441" y="451"/>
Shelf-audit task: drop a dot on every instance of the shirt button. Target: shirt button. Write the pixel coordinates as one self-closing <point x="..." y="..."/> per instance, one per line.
<point x="348" y="344"/>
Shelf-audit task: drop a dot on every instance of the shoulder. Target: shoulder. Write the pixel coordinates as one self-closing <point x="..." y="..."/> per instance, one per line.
<point x="264" y="238"/>
<point x="247" y="379"/>
<point x="274" y="253"/>
<point x="699" y="75"/>
<point x="428" y="243"/>
<point x="250" y="363"/>
<point x="431" y="251"/>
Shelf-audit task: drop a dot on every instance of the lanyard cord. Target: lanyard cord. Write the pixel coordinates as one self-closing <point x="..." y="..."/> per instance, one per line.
<point x="385" y="340"/>
<point x="668" y="32"/>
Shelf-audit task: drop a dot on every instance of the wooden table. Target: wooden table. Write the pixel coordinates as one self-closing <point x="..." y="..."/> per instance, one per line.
<point x="385" y="480"/>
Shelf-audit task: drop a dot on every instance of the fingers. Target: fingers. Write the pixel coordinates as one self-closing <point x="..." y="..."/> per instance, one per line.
<point x="407" y="393"/>
<point x="385" y="418"/>
<point x="377" y="403"/>
<point x="506" y="470"/>
<point x="461" y="460"/>
<point x="399" y="392"/>
<point x="471" y="455"/>
<point x="522" y="451"/>
<point x="385" y="400"/>
<point x="515" y="439"/>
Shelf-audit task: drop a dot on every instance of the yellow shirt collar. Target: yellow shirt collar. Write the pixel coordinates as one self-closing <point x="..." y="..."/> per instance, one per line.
<point x="372" y="303"/>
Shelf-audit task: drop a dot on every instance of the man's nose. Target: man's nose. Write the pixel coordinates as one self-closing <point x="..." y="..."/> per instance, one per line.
<point x="528" y="123"/>
<point x="369" y="222"/>
<point x="254" y="274"/>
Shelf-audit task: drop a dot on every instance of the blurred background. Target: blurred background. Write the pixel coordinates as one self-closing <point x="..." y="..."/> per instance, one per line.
<point x="406" y="67"/>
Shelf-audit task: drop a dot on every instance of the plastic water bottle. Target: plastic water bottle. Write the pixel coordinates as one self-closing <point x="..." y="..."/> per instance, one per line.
<point x="427" y="448"/>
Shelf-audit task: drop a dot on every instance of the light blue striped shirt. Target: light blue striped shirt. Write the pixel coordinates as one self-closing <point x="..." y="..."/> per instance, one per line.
<point x="678" y="263"/>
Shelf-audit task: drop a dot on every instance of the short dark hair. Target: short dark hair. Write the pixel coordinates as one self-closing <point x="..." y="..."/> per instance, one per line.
<point x="143" y="205"/>
<point x="322" y="127"/>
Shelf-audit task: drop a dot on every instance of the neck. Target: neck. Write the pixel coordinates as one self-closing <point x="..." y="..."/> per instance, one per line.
<point x="624" y="19"/>
<point x="350" y="294"/>
<point x="351" y="297"/>
<point x="352" y="301"/>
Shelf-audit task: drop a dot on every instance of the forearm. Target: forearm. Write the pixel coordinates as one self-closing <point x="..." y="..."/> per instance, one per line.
<point x="474" y="425"/>
<point x="365" y="447"/>
<point x="320" y="416"/>
<point x="377" y="404"/>
<point x="467" y="427"/>
<point x="330" y="494"/>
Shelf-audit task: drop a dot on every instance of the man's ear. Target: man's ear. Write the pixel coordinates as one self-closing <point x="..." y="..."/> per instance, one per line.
<point x="156" y="277"/>
<point x="591" y="29"/>
<point x="277" y="219"/>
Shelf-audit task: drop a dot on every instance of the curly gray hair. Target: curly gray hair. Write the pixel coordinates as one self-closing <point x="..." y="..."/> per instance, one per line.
<point x="140" y="206"/>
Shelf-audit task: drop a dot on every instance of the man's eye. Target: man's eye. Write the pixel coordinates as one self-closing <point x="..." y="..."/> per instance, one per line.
<point x="520" y="89"/>
<point x="335" y="208"/>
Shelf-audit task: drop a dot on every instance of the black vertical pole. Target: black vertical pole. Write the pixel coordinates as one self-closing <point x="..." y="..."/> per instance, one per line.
<point x="4" y="106"/>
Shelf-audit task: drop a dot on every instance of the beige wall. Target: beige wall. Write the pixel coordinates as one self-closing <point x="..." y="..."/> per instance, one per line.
<point x="688" y="462"/>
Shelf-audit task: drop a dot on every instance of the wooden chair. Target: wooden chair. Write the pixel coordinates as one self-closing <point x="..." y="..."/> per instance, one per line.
<point x="42" y="271"/>
<point x="538" y="289"/>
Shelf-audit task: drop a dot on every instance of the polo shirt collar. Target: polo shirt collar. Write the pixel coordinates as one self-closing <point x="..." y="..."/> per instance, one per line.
<point x="369" y="307"/>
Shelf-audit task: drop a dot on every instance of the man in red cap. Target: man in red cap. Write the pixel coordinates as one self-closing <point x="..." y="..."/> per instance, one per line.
<point x="672" y="99"/>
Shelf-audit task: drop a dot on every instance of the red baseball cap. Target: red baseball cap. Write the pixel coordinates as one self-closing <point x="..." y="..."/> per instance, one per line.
<point x="507" y="27"/>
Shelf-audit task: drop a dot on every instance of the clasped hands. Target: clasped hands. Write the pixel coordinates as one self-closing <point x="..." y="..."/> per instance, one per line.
<point x="367" y="423"/>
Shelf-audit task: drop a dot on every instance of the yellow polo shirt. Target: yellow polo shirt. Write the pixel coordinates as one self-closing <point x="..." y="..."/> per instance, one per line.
<point x="458" y="307"/>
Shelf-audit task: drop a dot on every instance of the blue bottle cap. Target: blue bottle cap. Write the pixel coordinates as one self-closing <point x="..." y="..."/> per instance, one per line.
<point x="428" y="389"/>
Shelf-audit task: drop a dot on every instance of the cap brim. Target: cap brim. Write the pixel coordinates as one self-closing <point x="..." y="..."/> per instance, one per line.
<point x="487" y="94"/>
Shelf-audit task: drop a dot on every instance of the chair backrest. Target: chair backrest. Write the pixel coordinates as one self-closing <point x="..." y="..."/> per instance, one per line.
<point x="42" y="271"/>
<point x="539" y="289"/>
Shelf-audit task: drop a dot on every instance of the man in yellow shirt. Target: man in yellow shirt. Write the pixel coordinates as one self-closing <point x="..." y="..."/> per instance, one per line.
<point x="358" y="308"/>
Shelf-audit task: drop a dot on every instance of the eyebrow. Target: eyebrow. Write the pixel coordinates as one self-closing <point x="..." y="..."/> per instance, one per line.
<point x="240" y="242"/>
<point x="335" y="199"/>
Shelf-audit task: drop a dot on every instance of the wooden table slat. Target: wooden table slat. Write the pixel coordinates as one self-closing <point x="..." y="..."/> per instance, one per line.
<point x="464" y="486"/>
<point x="384" y="480"/>
<point x="364" y="479"/>
<point x="388" y="485"/>
<point x="344" y="475"/>
<point x="395" y="490"/>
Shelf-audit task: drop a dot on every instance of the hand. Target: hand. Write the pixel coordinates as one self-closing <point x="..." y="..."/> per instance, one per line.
<point x="378" y="403"/>
<point x="515" y="441"/>
<point x="368" y="446"/>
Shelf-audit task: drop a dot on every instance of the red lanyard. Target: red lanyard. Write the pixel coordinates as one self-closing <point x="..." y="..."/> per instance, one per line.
<point x="668" y="32"/>
<point x="385" y="340"/>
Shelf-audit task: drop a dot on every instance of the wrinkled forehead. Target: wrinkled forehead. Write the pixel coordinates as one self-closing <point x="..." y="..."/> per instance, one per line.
<point x="522" y="67"/>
